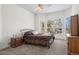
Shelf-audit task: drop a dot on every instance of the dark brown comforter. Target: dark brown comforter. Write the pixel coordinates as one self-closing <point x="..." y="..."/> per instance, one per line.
<point x="29" y="37"/>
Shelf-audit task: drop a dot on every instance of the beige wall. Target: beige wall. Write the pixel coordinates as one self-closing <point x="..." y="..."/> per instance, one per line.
<point x="75" y="9"/>
<point x="0" y="22"/>
<point x="14" y="18"/>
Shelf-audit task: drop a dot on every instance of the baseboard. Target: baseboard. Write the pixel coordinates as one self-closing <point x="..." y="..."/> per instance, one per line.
<point x="4" y="48"/>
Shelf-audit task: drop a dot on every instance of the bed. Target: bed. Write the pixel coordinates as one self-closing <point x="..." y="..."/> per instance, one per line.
<point x="38" y="39"/>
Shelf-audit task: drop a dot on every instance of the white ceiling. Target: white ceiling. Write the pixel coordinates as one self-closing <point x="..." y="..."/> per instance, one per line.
<point x="47" y="7"/>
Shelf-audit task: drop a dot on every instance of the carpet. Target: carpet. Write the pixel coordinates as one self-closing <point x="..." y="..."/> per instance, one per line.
<point x="59" y="47"/>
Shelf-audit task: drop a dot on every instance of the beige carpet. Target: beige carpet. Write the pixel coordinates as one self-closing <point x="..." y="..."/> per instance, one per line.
<point x="59" y="47"/>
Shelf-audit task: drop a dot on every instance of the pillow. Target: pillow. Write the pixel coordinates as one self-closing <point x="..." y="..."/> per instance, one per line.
<point x="23" y="31"/>
<point x="28" y="33"/>
<point x="35" y="32"/>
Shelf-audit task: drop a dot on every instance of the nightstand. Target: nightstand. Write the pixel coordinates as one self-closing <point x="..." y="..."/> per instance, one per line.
<point x="15" y="42"/>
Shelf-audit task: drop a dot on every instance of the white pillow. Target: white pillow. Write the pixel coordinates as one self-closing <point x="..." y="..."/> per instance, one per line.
<point x="35" y="32"/>
<point x="25" y="30"/>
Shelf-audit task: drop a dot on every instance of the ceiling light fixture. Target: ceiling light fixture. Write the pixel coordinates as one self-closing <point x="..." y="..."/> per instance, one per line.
<point x="40" y="7"/>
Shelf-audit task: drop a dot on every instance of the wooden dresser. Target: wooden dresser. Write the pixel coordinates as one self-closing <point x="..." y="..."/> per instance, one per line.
<point x="73" y="45"/>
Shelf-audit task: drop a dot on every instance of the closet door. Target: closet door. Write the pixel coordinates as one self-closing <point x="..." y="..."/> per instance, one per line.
<point x="74" y="25"/>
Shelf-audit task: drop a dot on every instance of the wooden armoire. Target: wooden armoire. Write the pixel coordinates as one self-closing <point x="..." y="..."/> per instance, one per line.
<point x="73" y="40"/>
<point x="74" y="25"/>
